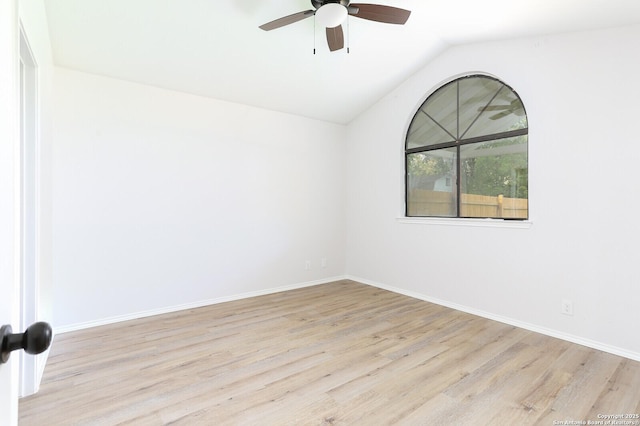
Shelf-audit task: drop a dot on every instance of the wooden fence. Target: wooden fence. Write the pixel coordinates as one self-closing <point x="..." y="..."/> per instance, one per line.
<point x="436" y="203"/>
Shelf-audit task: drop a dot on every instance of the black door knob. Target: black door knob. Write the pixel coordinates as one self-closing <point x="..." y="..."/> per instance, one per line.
<point x="35" y="339"/>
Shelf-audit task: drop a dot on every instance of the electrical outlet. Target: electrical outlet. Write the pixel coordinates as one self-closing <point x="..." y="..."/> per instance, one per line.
<point x="307" y="265"/>
<point x="566" y="307"/>
<point x="323" y="262"/>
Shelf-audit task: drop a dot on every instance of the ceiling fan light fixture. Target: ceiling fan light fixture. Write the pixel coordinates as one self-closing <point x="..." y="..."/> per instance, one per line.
<point x="331" y="15"/>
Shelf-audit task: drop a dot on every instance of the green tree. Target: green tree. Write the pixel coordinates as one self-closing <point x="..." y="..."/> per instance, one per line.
<point x="493" y="175"/>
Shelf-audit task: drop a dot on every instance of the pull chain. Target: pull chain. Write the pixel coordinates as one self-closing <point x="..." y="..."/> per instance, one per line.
<point x="348" y="34"/>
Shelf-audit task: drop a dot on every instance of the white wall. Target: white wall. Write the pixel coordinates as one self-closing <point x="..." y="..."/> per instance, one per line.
<point x="163" y="199"/>
<point x="581" y="93"/>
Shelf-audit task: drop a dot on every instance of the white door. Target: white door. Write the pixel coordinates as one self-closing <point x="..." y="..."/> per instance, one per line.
<point x="9" y="157"/>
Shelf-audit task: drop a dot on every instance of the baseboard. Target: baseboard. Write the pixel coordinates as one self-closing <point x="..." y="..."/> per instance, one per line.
<point x="520" y="324"/>
<point x="192" y="305"/>
<point x="516" y="323"/>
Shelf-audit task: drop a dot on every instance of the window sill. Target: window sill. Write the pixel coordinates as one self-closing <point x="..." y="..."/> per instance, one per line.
<point x="486" y="223"/>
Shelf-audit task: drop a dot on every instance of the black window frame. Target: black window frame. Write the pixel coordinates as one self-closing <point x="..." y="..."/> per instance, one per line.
<point x="458" y="143"/>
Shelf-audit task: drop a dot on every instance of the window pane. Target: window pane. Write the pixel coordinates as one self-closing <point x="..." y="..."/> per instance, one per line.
<point x="475" y="95"/>
<point x="494" y="179"/>
<point x="424" y="131"/>
<point x="503" y="114"/>
<point x="431" y="183"/>
<point x="442" y="106"/>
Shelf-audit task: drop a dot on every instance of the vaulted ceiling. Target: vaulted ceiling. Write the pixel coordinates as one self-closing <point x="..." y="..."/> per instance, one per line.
<point x="214" y="48"/>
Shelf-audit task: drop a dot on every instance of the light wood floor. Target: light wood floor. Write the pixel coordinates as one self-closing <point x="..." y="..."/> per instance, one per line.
<point x="341" y="353"/>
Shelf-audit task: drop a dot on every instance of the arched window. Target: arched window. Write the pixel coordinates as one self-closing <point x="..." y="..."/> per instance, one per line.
<point x="466" y="152"/>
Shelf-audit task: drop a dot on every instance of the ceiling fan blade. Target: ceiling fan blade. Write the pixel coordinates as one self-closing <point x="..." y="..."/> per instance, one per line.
<point x="335" y="38"/>
<point x="380" y="13"/>
<point x="495" y="108"/>
<point x="500" y="115"/>
<point x="286" y="20"/>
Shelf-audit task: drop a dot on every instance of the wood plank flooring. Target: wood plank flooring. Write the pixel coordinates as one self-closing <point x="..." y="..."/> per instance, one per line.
<point x="336" y="354"/>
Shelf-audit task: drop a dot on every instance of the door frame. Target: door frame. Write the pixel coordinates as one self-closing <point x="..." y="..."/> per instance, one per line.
<point x="29" y="206"/>
<point x="9" y="199"/>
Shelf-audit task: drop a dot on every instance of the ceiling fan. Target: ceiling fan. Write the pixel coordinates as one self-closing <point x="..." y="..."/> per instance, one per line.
<point x="514" y="107"/>
<point x="331" y="14"/>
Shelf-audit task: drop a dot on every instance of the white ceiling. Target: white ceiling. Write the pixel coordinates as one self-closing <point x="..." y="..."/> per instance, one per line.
<point x="214" y="48"/>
